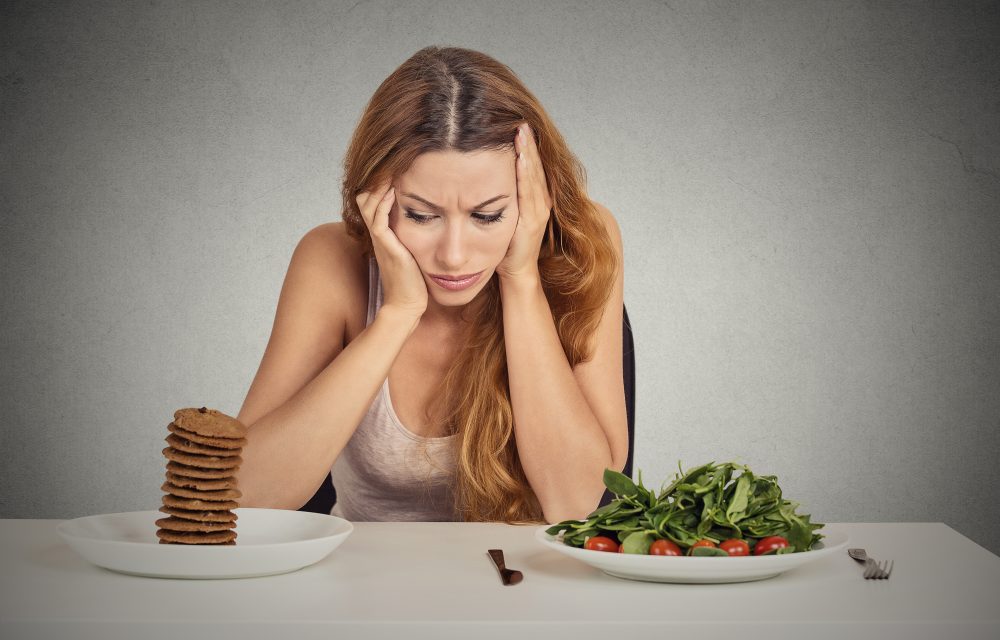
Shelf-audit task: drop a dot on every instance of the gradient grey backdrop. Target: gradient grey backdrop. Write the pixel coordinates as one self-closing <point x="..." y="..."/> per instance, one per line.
<point x="808" y="193"/>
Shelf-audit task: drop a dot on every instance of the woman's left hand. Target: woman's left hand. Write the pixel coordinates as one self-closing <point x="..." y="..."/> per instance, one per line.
<point x="534" y="206"/>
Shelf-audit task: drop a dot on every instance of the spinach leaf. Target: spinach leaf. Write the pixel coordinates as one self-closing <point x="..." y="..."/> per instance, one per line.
<point x="708" y="551"/>
<point x="638" y="542"/>
<point x="619" y="483"/>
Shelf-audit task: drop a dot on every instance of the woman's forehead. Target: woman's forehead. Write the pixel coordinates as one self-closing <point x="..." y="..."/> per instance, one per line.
<point x="444" y="171"/>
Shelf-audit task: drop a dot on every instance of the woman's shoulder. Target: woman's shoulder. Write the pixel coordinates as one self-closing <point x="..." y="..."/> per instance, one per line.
<point x="332" y="261"/>
<point x="331" y="239"/>
<point x="610" y="223"/>
<point x="328" y="246"/>
<point x="606" y="216"/>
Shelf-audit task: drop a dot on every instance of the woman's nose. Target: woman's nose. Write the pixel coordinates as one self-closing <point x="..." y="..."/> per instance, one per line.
<point x="452" y="250"/>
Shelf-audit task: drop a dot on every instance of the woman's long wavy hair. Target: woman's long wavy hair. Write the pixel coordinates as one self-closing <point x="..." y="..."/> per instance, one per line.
<point x="457" y="99"/>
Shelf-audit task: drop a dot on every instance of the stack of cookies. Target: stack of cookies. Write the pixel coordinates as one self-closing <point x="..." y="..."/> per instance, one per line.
<point x="201" y="492"/>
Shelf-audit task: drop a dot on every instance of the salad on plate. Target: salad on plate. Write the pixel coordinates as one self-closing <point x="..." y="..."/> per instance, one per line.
<point x="706" y="511"/>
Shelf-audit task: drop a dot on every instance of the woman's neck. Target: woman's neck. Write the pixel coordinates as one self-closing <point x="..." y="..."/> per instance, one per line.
<point x="452" y="318"/>
<point x="440" y="317"/>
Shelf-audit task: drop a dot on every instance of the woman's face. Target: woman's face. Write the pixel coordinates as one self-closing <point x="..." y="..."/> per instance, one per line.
<point x="456" y="213"/>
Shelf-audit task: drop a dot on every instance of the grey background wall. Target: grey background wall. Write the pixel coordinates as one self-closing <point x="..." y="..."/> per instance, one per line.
<point x="808" y="193"/>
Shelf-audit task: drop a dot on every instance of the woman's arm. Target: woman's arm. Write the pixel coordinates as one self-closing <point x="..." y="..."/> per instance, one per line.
<point x="310" y="392"/>
<point x="570" y="423"/>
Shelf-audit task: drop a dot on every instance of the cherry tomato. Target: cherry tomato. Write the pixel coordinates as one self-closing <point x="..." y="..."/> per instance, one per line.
<point x="664" y="548"/>
<point x="769" y="544"/>
<point x="735" y="547"/>
<point x="601" y="543"/>
<point x="701" y="543"/>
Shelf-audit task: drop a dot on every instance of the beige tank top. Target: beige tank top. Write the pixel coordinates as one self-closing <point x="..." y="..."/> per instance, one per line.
<point x="386" y="472"/>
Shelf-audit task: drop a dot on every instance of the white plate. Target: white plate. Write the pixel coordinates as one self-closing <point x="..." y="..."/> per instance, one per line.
<point x="694" y="569"/>
<point x="269" y="541"/>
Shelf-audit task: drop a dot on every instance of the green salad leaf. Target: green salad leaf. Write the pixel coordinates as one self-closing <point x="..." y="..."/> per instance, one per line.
<point x="705" y="502"/>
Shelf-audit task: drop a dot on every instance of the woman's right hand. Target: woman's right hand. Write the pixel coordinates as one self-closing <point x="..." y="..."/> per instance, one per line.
<point x="402" y="282"/>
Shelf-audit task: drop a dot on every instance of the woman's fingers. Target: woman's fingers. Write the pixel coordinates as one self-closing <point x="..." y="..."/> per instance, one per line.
<point x="380" y="221"/>
<point x="370" y="201"/>
<point x="375" y="207"/>
<point x="533" y="210"/>
<point x="532" y="186"/>
<point x="402" y="281"/>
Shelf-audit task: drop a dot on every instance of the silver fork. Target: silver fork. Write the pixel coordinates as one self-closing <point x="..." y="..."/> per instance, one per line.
<point x="873" y="570"/>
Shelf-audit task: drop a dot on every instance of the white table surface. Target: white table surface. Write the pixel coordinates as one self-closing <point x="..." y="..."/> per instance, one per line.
<point x="416" y="580"/>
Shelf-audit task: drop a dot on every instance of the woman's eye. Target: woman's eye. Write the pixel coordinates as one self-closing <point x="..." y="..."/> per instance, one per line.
<point x="482" y="218"/>
<point x="418" y="218"/>
<point x="489" y="218"/>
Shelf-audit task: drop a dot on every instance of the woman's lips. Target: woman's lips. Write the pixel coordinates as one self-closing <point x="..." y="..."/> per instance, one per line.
<point x="456" y="283"/>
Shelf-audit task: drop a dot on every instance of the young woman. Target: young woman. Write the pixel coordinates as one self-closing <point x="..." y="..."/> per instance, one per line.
<point x="452" y="350"/>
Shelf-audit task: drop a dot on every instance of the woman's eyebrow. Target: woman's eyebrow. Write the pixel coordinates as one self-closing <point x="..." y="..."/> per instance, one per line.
<point x="435" y="207"/>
